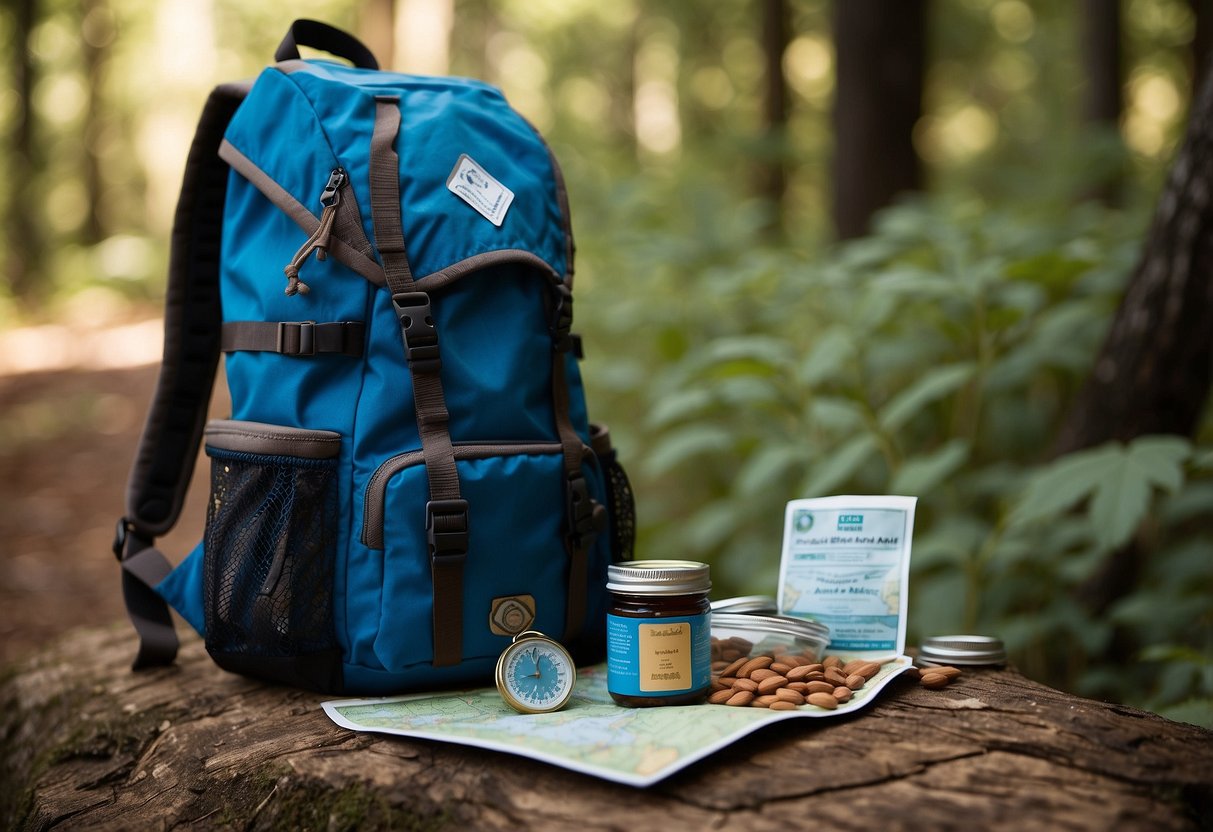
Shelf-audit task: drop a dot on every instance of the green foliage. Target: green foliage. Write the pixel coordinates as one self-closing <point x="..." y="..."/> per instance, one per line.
<point x="936" y="358"/>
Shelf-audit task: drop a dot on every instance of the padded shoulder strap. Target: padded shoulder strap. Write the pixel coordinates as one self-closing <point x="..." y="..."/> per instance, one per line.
<point x="169" y="445"/>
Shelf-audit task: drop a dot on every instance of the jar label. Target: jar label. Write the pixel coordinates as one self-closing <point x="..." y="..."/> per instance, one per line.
<point x="658" y="656"/>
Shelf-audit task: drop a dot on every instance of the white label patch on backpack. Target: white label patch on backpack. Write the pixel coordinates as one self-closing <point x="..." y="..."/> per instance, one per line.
<point x="473" y="184"/>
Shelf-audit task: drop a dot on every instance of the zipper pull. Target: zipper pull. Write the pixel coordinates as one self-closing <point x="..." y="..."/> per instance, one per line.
<point x="330" y="199"/>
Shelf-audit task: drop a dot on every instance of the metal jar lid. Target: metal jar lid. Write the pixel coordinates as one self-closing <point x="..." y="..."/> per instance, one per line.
<point x="751" y="604"/>
<point x="658" y="577"/>
<point x="963" y="649"/>
<point x="782" y="625"/>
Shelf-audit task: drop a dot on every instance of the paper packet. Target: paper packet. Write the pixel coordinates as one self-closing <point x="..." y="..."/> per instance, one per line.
<point x="846" y="563"/>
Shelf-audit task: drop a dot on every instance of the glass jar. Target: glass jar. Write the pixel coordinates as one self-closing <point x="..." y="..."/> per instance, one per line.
<point x="659" y="630"/>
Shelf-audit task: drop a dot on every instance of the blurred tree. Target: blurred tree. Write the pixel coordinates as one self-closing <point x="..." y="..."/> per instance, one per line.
<point x="1103" y="99"/>
<point x="1152" y="375"/>
<point x="23" y="204"/>
<point x="881" y="58"/>
<point x="96" y="34"/>
<point x="1202" y="37"/>
<point x="776" y="34"/>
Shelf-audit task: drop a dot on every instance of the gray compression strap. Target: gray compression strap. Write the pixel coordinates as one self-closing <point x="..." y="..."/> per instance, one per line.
<point x="446" y="512"/>
<point x="302" y="338"/>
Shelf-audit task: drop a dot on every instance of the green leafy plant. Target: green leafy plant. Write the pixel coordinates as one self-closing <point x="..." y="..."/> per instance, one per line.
<point x="937" y="358"/>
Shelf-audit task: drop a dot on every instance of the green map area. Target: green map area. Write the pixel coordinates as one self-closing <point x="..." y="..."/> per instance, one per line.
<point x="592" y="735"/>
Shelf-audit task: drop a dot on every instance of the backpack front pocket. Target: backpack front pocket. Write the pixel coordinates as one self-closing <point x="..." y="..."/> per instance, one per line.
<point x="516" y="567"/>
<point x="269" y="552"/>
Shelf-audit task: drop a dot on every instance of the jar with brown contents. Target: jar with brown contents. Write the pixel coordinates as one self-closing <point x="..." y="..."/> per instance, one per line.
<point x="658" y="633"/>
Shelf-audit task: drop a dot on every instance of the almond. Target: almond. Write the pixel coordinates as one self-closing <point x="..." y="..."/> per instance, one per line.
<point x="741" y="697"/>
<point x="814" y="675"/>
<point x="853" y="666"/>
<point x="721" y="696"/>
<point x="782" y="705"/>
<point x="842" y="694"/>
<point x="797" y="674"/>
<point x="832" y="661"/>
<point x="764" y="701"/>
<point x="790" y="659"/>
<point x="745" y="684"/>
<point x="816" y="666"/>
<point x="762" y="673"/>
<point x="771" y="684"/>
<point x="833" y="674"/>
<point x="789" y="695"/>
<point x="819" y="687"/>
<point x="855" y="681"/>
<point x="756" y="663"/>
<point x="935" y="681"/>
<point x="947" y="670"/>
<point x="731" y="669"/>
<point x="799" y="687"/>
<point x="869" y="670"/>
<point x="823" y="700"/>
<point x="780" y="668"/>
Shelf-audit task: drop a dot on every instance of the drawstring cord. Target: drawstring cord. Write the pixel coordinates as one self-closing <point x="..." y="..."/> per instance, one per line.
<point x="319" y="240"/>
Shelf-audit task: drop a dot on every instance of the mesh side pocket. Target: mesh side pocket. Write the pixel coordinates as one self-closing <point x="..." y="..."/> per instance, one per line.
<point x="621" y="505"/>
<point x="268" y="567"/>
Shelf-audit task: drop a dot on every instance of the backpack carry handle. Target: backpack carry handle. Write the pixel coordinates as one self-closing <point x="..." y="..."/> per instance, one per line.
<point x="319" y="35"/>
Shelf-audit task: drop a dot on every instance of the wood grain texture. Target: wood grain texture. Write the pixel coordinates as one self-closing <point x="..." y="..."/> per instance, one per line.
<point x="89" y="745"/>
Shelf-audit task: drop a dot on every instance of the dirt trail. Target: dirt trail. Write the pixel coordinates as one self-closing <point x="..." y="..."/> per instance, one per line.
<point x="67" y="439"/>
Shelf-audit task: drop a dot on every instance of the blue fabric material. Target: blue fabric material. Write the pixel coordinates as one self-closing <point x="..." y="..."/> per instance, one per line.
<point x="495" y="342"/>
<point x="182" y="588"/>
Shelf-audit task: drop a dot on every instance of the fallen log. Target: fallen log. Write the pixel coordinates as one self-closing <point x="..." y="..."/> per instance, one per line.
<point x="87" y="744"/>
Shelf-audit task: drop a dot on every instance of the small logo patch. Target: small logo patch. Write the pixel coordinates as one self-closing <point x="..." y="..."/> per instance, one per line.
<point x="473" y="184"/>
<point x="512" y="614"/>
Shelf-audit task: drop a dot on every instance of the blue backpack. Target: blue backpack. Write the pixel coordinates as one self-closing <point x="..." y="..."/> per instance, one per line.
<point x="409" y="477"/>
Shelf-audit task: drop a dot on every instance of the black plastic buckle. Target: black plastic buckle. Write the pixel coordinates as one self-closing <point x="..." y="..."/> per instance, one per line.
<point x="120" y="535"/>
<point x="562" y="318"/>
<point x="446" y="529"/>
<point x="586" y="516"/>
<point x="420" y="336"/>
<point x="297" y="338"/>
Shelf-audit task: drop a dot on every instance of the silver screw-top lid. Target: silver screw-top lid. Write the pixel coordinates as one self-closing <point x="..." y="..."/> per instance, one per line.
<point x="780" y="625"/>
<point x="659" y="577"/>
<point x="963" y="649"/>
<point x="751" y="604"/>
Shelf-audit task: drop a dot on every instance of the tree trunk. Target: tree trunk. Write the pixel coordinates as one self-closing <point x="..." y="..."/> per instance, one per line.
<point x="776" y="34"/>
<point x="881" y="57"/>
<point x="24" y="237"/>
<point x="90" y="745"/>
<point x="1153" y="373"/>
<point x="1202" y="38"/>
<point x="1103" y="98"/>
<point x="97" y="34"/>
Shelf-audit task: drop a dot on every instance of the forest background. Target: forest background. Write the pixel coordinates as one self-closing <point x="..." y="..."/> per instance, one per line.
<point x="858" y="247"/>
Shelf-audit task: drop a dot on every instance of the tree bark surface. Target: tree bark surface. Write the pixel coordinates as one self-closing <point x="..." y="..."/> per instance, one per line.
<point x="1154" y="370"/>
<point x="90" y="745"/>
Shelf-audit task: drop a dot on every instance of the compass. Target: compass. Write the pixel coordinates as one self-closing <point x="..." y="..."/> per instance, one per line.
<point x="535" y="675"/>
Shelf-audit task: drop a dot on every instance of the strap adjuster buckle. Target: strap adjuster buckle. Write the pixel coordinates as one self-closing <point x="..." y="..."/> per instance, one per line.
<point x="121" y="532"/>
<point x="420" y="334"/>
<point x="562" y="318"/>
<point x="297" y="338"/>
<point x="446" y="529"/>
<point x="587" y="517"/>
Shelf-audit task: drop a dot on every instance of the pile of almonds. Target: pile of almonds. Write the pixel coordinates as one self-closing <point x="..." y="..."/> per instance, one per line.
<point x="783" y="681"/>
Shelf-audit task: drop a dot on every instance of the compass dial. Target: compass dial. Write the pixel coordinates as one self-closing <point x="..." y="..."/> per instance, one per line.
<point x="535" y="674"/>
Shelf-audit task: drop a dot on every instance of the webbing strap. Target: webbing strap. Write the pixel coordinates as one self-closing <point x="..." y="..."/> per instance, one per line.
<point x="169" y="445"/>
<point x="579" y="508"/>
<point x="142" y="570"/>
<point x="446" y="512"/>
<point x="294" y="337"/>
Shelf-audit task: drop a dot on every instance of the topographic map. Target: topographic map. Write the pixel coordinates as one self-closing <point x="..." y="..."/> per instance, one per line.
<point x="592" y="735"/>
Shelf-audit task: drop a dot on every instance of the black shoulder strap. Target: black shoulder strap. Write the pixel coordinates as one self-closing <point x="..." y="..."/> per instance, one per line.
<point x="192" y="318"/>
